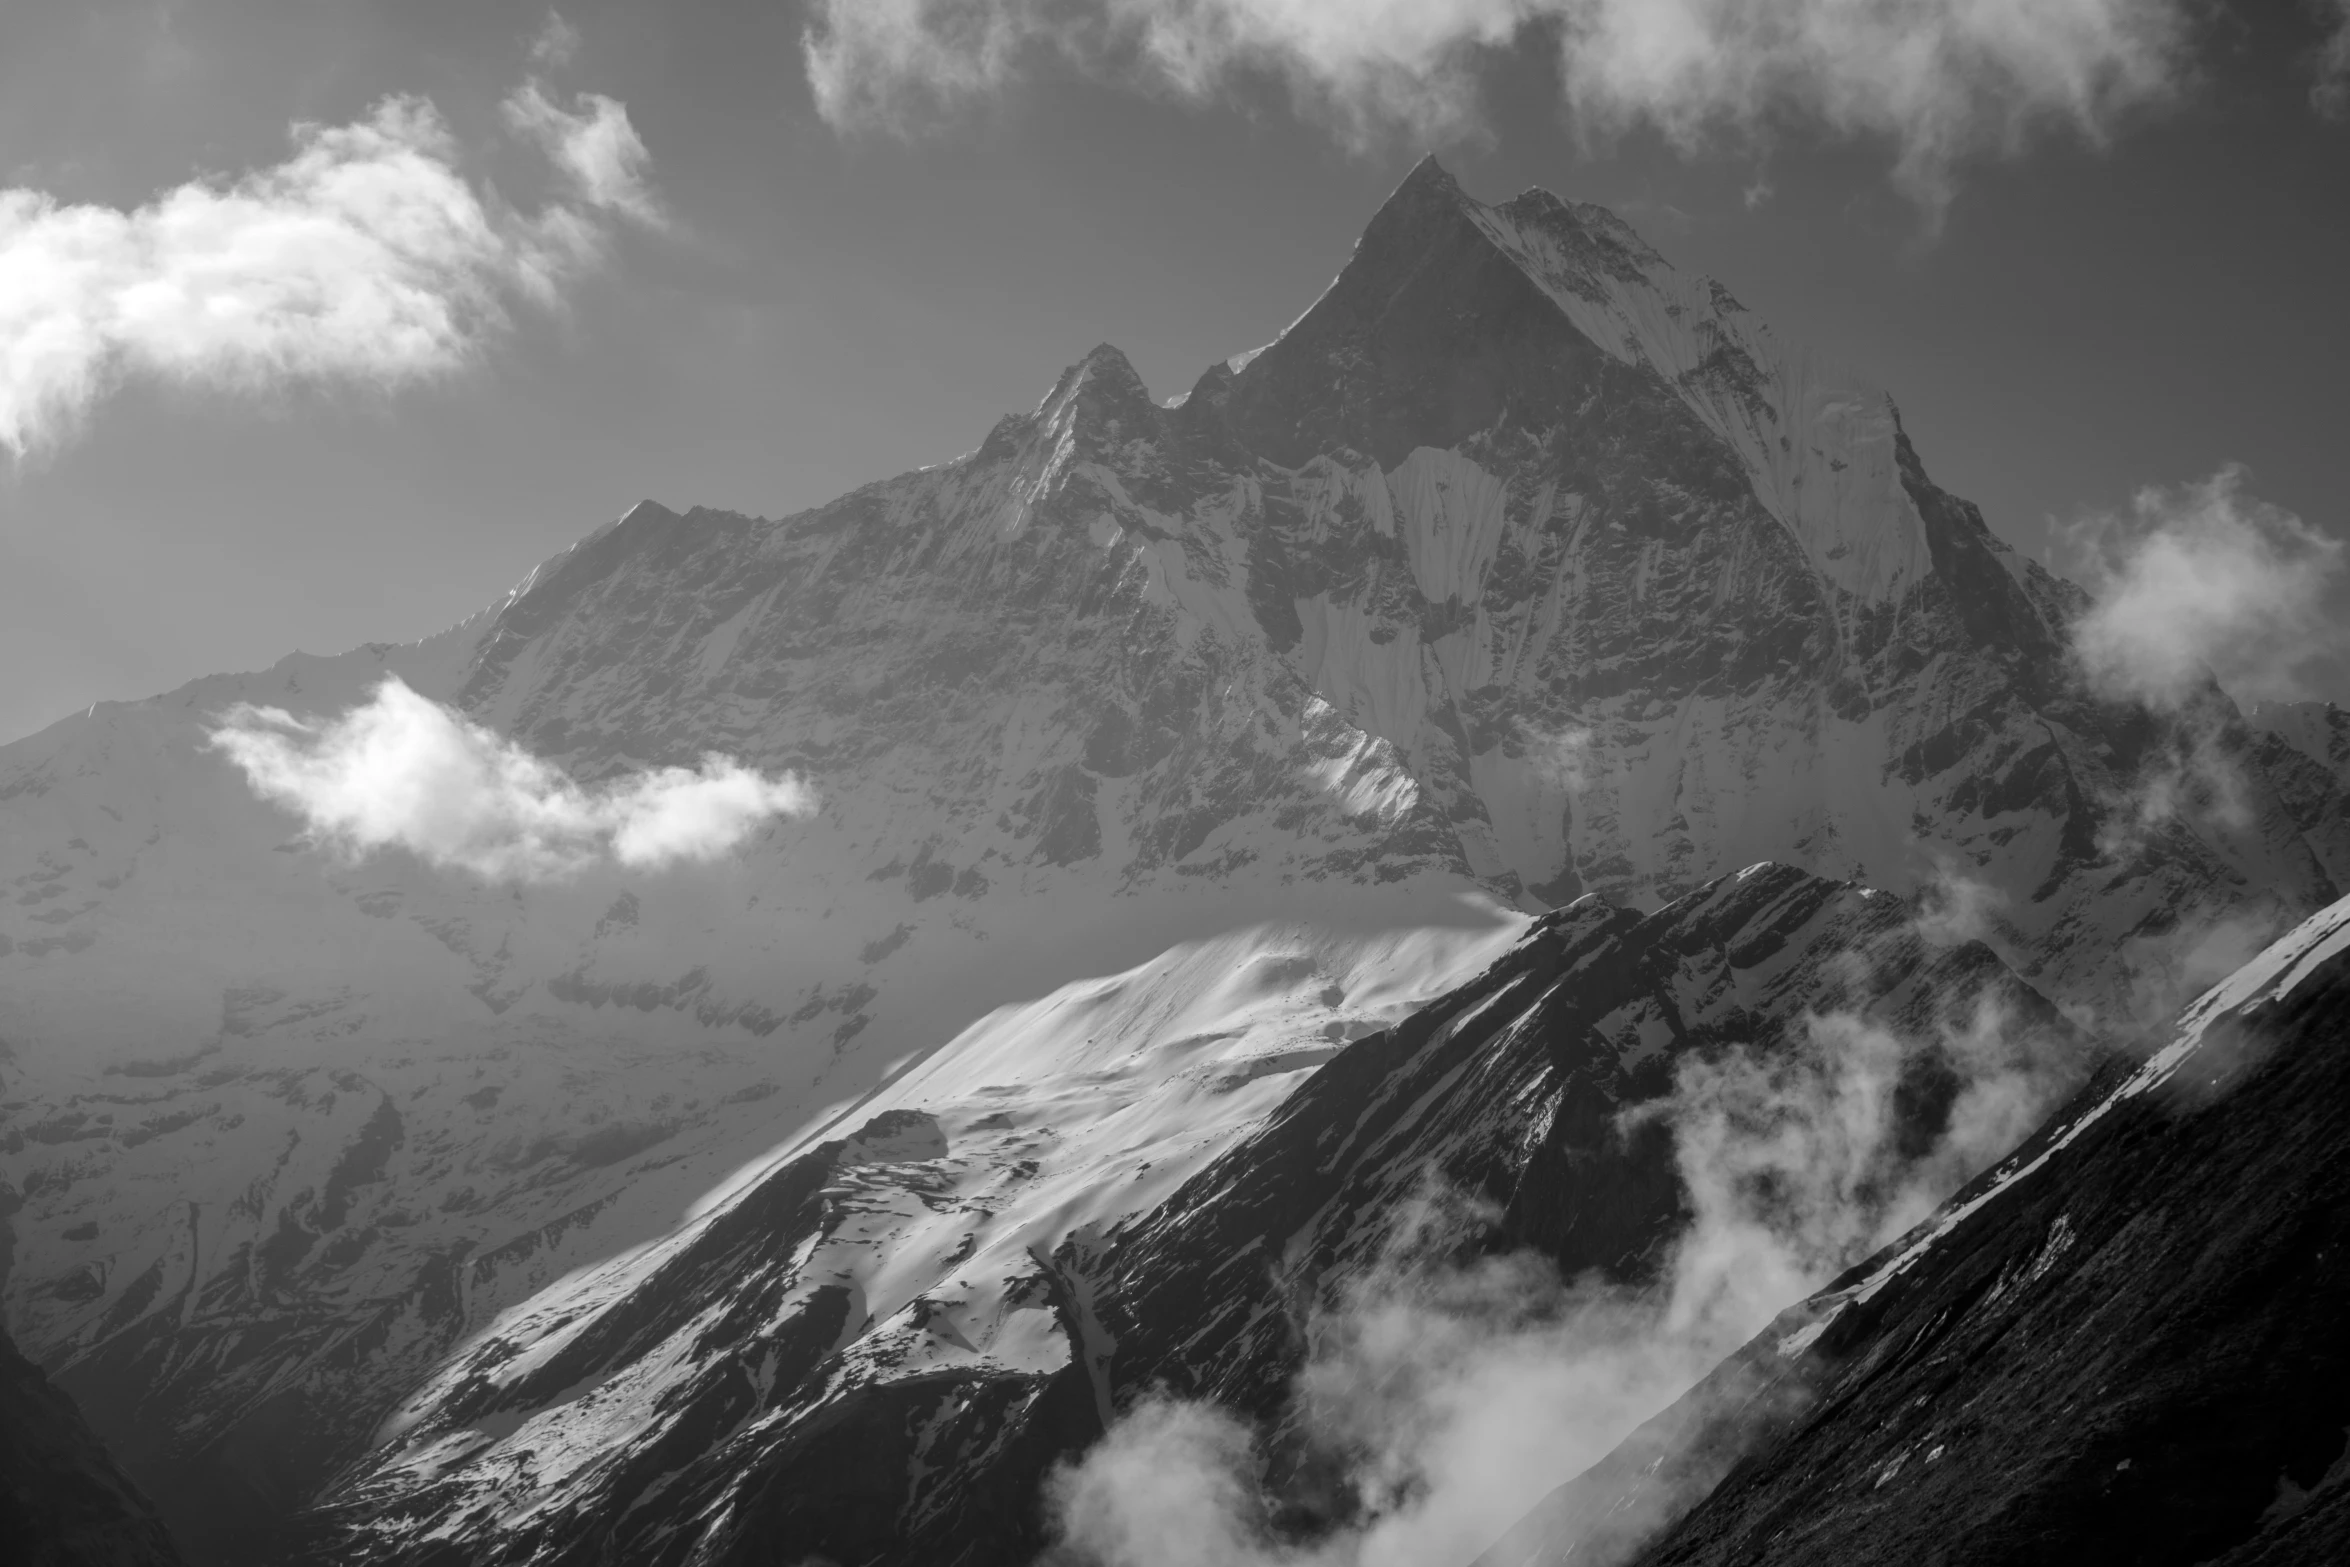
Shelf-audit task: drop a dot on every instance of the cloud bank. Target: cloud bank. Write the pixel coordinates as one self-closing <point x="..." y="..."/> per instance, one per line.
<point x="404" y="772"/>
<point x="1940" y="80"/>
<point x="365" y="257"/>
<point x="2203" y="579"/>
<point x="1453" y="1398"/>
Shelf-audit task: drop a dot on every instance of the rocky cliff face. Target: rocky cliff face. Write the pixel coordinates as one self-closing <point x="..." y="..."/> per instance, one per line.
<point x="2119" y="1346"/>
<point x="2303" y="749"/>
<point x="1522" y="567"/>
<point x="63" y="1501"/>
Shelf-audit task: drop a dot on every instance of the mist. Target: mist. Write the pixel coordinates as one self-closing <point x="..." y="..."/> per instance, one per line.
<point x="1455" y="1395"/>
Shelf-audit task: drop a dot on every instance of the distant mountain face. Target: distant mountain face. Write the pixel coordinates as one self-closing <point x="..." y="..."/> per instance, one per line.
<point x="1521" y="567"/>
<point x="2123" y="1344"/>
<point x="2303" y="751"/>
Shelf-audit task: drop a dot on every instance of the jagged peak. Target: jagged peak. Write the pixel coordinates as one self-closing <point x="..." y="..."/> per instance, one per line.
<point x="1104" y="369"/>
<point x="1431" y="176"/>
<point x="1003" y="440"/>
<point x="1216" y="379"/>
<point x="1101" y="389"/>
<point x="644" y="512"/>
<point x="1107" y="359"/>
<point x="1428" y="195"/>
<point x="1430" y="192"/>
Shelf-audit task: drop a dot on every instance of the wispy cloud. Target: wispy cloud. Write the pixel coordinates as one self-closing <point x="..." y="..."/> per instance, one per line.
<point x="368" y="256"/>
<point x="2196" y="583"/>
<point x="402" y="771"/>
<point x="1565" y="754"/>
<point x="2331" y="95"/>
<point x="556" y="44"/>
<point x="1941" y="80"/>
<point x="594" y="144"/>
<point x="1453" y="1397"/>
<point x="1954" y="906"/>
<point x="2200" y="580"/>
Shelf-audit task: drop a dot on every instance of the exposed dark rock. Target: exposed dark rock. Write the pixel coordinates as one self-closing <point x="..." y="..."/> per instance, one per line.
<point x="2123" y="1345"/>
<point x="63" y="1500"/>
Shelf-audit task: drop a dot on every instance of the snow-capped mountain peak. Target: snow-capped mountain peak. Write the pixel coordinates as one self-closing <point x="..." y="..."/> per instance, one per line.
<point x="1520" y="568"/>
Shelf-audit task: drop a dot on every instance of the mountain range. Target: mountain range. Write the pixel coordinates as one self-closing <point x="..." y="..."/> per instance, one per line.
<point x="1363" y="782"/>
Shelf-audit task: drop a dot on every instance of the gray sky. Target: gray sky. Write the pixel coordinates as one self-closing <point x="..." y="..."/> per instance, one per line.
<point x="2064" y="316"/>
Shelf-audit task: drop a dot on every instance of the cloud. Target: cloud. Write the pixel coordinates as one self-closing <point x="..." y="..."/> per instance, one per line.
<point x="556" y="44"/>
<point x="594" y="145"/>
<point x="1453" y="1397"/>
<point x="404" y="772"/>
<point x="2203" y="580"/>
<point x="365" y="257"/>
<point x="1954" y="907"/>
<point x="1564" y="756"/>
<point x="2193" y="779"/>
<point x="2331" y="94"/>
<point x="1941" y="80"/>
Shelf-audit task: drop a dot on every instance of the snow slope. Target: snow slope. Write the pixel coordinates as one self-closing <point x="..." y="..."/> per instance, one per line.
<point x="874" y="1347"/>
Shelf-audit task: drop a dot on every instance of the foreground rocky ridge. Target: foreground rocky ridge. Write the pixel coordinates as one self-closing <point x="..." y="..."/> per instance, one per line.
<point x="1522" y="567"/>
<point x="758" y="1392"/>
<point x="63" y="1500"/>
<point x="2120" y="1345"/>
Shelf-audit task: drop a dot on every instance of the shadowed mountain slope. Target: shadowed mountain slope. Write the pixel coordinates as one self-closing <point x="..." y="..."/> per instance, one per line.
<point x="63" y="1501"/>
<point x="2122" y="1345"/>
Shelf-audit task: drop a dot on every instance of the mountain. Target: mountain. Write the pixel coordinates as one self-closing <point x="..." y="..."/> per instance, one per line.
<point x="874" y="1349"/>
<point x="63" y="1502"/>
<point x="1521" y="568"/>
<point x="2121" y="1345"/>
<point x="2303" y="749"/>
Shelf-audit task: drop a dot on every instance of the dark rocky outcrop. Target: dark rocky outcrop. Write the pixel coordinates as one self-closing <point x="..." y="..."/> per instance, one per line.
<point x="2122" y="1346"/>
<point x="63" y="1500"/>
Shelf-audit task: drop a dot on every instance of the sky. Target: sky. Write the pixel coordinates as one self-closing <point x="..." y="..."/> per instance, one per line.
<point x="265" y="388"/>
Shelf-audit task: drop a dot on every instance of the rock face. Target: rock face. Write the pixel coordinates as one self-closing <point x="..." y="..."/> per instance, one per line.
<point x="1522" y="567"/>
<point x="2303" y="748"/>
<point x="63" y="1502"/>
<point x="2122" y="1345"/>
<point x="877" y="1348"/>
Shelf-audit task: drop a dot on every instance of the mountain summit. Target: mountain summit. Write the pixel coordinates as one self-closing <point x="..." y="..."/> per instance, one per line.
<point x="1521" y="568"/>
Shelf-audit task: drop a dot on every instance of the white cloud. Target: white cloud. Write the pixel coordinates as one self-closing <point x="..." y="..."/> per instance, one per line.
<point x="402" y="771"/>
<point x="1954" y="907"/>
<point x="594" y="145"/>
<point x="2203" y="579"/>
<point x="1453" y="1398"/>
<point x="1940" y="79"/>
<point x="366" y="256"/>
